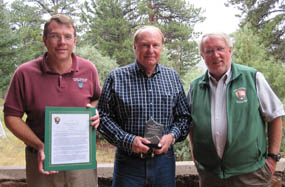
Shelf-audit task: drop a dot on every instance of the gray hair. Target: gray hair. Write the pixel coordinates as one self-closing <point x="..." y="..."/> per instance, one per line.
<point x="221" y="35"/>
<point x="140" y="30"/>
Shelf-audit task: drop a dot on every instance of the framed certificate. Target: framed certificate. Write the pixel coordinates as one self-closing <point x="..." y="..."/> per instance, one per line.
<point x="70" y="140"/>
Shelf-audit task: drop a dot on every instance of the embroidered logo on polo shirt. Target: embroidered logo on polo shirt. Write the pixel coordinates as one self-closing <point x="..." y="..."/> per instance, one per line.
<point x="241" y="95"/>
<point x="80" y="81"/>
<point x="80" y="84"/>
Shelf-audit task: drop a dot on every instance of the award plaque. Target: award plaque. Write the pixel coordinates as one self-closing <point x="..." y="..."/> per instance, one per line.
<point x="153" y="132"/>
<point x="70" y="141"/>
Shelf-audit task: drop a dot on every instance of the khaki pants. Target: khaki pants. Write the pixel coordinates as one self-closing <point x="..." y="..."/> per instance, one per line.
<point x="71" y="178"/>
<point x="258" y="178"/>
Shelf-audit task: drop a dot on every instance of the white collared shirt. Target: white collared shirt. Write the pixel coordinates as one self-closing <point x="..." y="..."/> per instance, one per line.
<point x="219" y="123"/>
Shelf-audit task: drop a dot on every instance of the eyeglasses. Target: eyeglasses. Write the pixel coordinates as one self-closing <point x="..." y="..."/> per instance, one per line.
<point x="155" y="46"/>
<point x="58" y="37"/>
<point x="219" y="50"/>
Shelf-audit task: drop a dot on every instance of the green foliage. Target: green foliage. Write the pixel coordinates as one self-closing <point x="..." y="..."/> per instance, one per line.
<point x="8" y="47"/>
<point x="112" y="23"/>
<point x="267" y="18"/>
<point x="282" y="148"/>
<point x="190" y="76"/>
<point x="108" y="25"/>
<point x="109" y="29"/>
<point x="22" y="35"/>
<point x="183" y="151"/>
<point x="21" y="30"/>
<point x="176" y="20"/>
<point x="249" y="50"/>
<point x="103" y="64"/>
<point x="52" y="7"/>
<point x="27" y="23"/>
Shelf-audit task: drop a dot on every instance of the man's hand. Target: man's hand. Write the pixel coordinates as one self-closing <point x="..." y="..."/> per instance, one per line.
<point x="95" y="119"/>
<point x="138" y="145"/>
<point x="271" y="163"/>
<point x="164" y="143"/>
<point x="41" y="158"/>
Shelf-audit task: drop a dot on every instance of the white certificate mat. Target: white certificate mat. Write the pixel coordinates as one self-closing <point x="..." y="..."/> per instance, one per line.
<point x="70" y="140"/>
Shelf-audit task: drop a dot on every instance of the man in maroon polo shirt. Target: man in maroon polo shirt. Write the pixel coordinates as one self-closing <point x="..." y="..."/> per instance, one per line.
<point x="58" y="78"/>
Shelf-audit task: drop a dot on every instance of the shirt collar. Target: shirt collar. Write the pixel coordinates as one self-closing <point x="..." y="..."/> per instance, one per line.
<point x="226" y="77"/>
<point x="74" y="67"/>
<point x="140" y="69"/>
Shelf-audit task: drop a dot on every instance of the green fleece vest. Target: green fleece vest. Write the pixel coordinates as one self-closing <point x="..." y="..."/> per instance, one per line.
<point x="246" y="142"/>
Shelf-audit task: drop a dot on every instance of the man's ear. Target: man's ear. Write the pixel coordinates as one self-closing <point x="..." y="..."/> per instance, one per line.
<point x="75" y="40"/>
<point x="230" y="50"/>
<point x="134" y="48"/>
<point x="201" y="54"/>
<point x="44" y="40"/>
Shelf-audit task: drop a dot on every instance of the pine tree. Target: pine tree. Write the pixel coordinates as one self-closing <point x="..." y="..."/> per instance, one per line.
<point x="112" y="23"/>
<point x="109" y="29"/>
<point x="8" y="48"/>
<point x="267" y="17"/>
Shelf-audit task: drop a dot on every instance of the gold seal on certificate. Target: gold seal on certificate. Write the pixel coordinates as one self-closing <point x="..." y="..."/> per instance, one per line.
<point x="153" y="132"/>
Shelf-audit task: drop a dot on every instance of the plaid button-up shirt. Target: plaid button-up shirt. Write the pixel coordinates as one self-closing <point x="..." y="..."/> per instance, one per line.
<point x="129" y="98"/>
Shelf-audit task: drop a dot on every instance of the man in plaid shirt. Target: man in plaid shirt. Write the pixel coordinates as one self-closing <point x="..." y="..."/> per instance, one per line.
<point x="133" y="95"/>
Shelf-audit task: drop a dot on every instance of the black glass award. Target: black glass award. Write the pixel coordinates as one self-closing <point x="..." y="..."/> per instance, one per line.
<point x="153" y="132"/>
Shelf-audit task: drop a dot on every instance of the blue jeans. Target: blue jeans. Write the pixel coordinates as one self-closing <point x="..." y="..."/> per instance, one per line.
<point x="136" y="172"/>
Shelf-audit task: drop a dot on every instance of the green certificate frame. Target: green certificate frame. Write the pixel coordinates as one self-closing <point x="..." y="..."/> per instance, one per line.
<point x="70" y="140"/>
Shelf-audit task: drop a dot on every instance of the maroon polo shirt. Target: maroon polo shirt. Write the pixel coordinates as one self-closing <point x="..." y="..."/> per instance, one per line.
<point x="34" y="86"/>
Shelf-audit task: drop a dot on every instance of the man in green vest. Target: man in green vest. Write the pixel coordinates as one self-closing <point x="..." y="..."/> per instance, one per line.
<point x="231" y="106"/>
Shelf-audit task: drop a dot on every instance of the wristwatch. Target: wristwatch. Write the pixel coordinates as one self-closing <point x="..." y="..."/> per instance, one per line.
<point x="276" y="157"/>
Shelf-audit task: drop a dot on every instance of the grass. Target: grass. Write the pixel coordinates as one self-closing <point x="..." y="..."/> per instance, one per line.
<point x="105" y="152"/>
<point x="1" y="102"/>
<point x="12" y="150"/>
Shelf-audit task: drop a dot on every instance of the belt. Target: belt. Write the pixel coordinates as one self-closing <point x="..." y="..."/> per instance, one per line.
<point x="31" y="149"/>
<point x="149" y="155"/>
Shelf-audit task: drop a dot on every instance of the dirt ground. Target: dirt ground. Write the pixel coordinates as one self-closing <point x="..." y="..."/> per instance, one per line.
<point x="181" y="181"/>
<point x="193" y="181"/>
